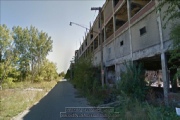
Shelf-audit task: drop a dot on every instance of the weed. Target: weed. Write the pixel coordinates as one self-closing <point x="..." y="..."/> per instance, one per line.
<point x="17" y="99"/>
<point x="133" y="81"/>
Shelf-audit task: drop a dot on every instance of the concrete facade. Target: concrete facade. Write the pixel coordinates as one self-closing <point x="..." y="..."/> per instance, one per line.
<point x="131" y="30"/>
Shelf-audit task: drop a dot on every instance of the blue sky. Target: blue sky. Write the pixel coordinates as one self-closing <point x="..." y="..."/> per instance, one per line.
<point x="53" y="17"/>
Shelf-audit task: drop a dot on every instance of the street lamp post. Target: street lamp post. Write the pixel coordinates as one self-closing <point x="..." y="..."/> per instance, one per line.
<point x="81" y="26"/>
<point x="100" y="32"/>
<point x="100" y="28"/>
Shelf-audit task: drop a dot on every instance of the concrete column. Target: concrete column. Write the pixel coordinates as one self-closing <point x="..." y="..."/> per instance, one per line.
<point x="129" y="26"/>
<point x="165" y="72"/>
<point x="165" y="77"/>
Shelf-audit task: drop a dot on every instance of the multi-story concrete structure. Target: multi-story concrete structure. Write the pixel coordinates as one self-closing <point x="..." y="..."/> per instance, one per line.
<point x="131" y="30"/>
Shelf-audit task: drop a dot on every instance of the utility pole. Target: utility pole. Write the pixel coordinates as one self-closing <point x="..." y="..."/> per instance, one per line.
<point x="100" y="35"/>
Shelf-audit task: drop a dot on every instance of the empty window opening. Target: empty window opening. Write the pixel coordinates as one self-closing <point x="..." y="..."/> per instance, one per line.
<point x="102" y="18"/>
<point x="96" y="43"/>
<point x="121" y="17"/>
<point x="92" y="47"/>
<point x="109" y="29"/>
<point x="137" y="5"/>
<point x="82" y="48"/>
<point x="121" y="43"/>
<point x="91" y="34"/>
<point x="86" y="42"/>
<point x="142" y="31"/>
<point x="102" y="35"/>
<point x="116" y="2"/>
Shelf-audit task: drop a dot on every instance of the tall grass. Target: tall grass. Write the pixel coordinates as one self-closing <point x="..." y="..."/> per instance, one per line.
<point x="132" y="91"/>
<point x="133" y="109"/>
<point x="133" y="81"/>
<point x="15" y="100"/>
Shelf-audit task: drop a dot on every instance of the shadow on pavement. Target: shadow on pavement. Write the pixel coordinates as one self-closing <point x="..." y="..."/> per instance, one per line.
<point x="49" y="107"/>
<point x="61" y="96"/>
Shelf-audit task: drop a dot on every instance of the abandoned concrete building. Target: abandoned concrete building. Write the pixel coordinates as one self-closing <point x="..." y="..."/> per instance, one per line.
<point x="131" y="30"/>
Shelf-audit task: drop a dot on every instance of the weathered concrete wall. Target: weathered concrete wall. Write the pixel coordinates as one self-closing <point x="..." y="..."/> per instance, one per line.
<point x="97" y="58"/>
<point x="150" y="38"/>
<point x="122" y="50"/>
<point x="119" y="69"/>
<point x="110" y="51"/>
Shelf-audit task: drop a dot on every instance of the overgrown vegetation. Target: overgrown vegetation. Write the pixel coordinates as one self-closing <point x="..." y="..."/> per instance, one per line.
<point x="22" y="96"/>
<point x="23" y="65"/>
<point x="62" y="74"/>
<point x="132" y="93"/>
<point x="23" y="54"/>
<point x="171" y="17"/>
<point x="132" y="89"/>
<point x="86" y="78"/>
<point x="137" y="100"/>
<point x="132" y="81"/>
<point x="133" y="109"/>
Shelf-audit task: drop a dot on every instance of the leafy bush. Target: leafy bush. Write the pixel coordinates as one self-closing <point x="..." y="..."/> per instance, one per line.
<point x="38" y="78"/>
<point x="67" y="76"/>
<point x="85" y="75"/>
<point x="133" y="81"/>
<point x="133" y="109"/>
<point x="8" y="83"/>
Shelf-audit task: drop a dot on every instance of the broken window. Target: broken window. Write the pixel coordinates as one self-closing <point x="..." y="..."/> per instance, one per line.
<point x="116" y="2"/>
<point x="91" y="47"/>
<point x="91" y="34"/>
<point x="102" y="35"/>
<point x="137" y="5"/>
<point x="122" y="43"/>
<point x="121" y="17"/>
<point x="86" y="42"/>
<point x="102" y="18"/>
<point x="82" y="48"/>
<point x="96" y="43"/>
<point x="142" y="31"/>
<point x="109" y="29"/>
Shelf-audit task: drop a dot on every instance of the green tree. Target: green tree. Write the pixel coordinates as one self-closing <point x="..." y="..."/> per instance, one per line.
<point x="133" y="81"/>
<point x="85" y="75"/>
<point x="6" y="52"/>
<point x="48" y="70"/>
<point x="67" y="76"/>
<point x="172" y="15"/>
<point x="172" y="10"/>
<point x="62" y="74"/>
<point x="40" y="46"/>
<point x="21" y="39"/>
<point x="32" y="47"/>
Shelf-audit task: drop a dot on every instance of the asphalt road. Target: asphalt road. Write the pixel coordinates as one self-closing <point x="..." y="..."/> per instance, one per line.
<point x="63" y="95"/>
